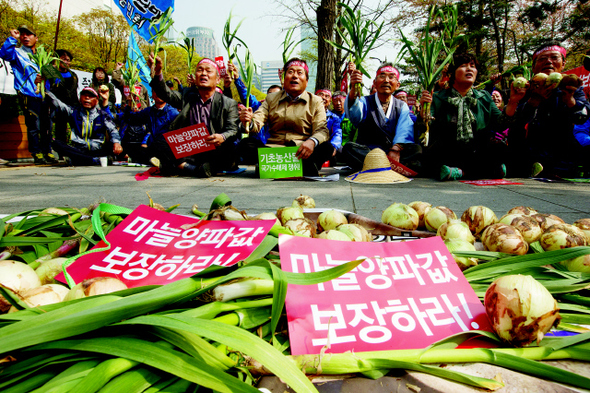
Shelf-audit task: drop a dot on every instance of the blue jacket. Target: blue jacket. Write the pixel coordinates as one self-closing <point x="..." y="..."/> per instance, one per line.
<point x="157" y="121"/>
<point x="242" y="92"/>
<point x="582" y="133"/>
<point x="335" y="129"/>
<point x="89" y="127"/>
<point x="25" y="71"/>
<point x="374" y="129"/>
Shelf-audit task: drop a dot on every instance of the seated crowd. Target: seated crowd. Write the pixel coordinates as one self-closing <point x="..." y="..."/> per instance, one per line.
<point x="455" y="132"/>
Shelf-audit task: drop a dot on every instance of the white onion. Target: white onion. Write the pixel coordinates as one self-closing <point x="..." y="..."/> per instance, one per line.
<point x="526" y="225"/>
<point x="17" y="277"/>
<point x="330" y="219"/>
<point x="285" y="214"/>
<point x="455" y="229"/>
<point x="95" y="286"/>
<point x="524" y="210"/>
<point x="45" y="294"/>
<point x="580" y="264"/>
<point x="304" y="201"/>
<point x="546" y="220"/>
<point x="478" y="218"/>
<point x="49" y="269"/>
<point x="461" y="245"/>
<point x="421" y="208"/>
<point x="301" y="226"/>
<point x="584" y="225"/>
<point x="269" y="217"/>
<point x="504" y="238"/>
<point x="355" y="232"/>
<point x="520" y="309"/>
<point x="334" y="234"/>
<point x="560" y="236"/>
<point x="401" y="216"/>
<point x="436" y="216"/>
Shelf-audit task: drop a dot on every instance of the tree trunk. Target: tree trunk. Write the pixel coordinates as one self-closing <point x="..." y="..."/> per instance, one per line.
<point x="326" y="16"/>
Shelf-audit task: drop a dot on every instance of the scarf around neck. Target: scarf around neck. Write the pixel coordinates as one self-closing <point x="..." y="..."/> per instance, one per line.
<point x="465" y="116"/>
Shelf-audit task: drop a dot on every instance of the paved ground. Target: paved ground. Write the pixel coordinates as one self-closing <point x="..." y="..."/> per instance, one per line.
<point x="24" y="188"/>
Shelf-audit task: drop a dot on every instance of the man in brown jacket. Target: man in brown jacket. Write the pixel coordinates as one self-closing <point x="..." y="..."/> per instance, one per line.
<point x="294" y="117"/>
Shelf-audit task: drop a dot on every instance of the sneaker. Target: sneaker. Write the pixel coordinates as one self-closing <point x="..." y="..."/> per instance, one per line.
<point x="450" y="173"/>
<point x="155" y="162"/>
<point x="50" y="158"/>
<point x="537" y="169"/>
<point x="39" y="159"/>
<point x="503" y="169"/>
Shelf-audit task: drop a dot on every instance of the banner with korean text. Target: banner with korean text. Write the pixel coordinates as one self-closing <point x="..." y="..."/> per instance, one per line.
<point x="152" y="247"/>
<point x="279" y="162"/>
<point x="405" y="295"/>
<point x="140" y="13"/>
<point x="188" y="140"/>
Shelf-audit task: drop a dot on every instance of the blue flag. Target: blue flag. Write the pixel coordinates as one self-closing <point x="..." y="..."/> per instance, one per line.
<point x="139" y="13"/>
<point x="134" y="55"/>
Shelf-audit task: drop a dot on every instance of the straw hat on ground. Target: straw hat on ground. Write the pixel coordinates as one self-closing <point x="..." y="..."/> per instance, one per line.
<point x="377" y="170"/>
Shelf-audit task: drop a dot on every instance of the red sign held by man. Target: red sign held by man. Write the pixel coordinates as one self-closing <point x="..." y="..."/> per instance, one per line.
<point x="405" y="295"/>
<point x="189" y="140"/>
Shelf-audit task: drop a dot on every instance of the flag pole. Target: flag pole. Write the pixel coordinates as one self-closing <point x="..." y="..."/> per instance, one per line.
<point x="57" y="26"/>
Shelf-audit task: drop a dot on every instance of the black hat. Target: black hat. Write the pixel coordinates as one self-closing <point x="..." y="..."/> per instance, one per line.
<point x="61" y="52"/>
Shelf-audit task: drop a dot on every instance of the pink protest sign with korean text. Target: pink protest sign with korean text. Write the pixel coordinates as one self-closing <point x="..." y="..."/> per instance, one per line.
<point x="405" y="295"/>
<point x="150" y="248"/>
<point x="189" y="140"/>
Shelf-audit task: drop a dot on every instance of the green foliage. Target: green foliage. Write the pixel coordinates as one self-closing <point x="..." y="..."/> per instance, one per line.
<point x="289" y="44"/>
<point x="229" y="36"/>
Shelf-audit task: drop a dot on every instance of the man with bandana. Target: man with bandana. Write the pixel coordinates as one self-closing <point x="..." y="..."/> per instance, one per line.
<point x="382" y="120"/>
<point x="294" y="117"/>
<point x="542" y="141"/>
<point x="199" y="104"/>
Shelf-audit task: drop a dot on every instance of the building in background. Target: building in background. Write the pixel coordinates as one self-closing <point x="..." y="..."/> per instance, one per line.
<point x="309" y="48"/>
<point x="269" y="74"/>
<point x="205" y="44"/>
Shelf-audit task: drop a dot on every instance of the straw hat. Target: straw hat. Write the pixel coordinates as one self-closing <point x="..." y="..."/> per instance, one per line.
<point x="377" y="170"/>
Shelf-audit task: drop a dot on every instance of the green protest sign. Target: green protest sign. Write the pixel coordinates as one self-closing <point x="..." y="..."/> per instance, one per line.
<point x="279" y="162"/>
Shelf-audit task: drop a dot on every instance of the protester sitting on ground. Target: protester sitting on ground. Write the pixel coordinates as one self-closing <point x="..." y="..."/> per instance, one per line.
<point x="248" y="147"/>
<point x="348" y="129"/>
<point x="140" y="90"/>
<point x="403" y="95"/>
<point x="333" y="122"/>
<point x="199" y="104"/>
<point x="501" y="136"/>
<point x="383" y="122"/>
<point x="582" y="135"/>
<point x="99" y="78"/>
<point x="25" y="83"/>
<point x="463" y="120"/>
<point x="132" y="134"/>
<point x="156" y="119"/>
<point x="65" y="89"/>
<point x="542" y="138"/>
<point x="295" y="117"/>
<point x="91" y="125"/>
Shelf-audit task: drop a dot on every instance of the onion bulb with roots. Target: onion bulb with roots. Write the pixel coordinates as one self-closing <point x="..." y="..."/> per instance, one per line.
<point x="560" y="236"/>
<point x="301" y="226"/>
<point x="304" y="201"/>
<point x="355" y="232"/>
<point x="228" y="213"/>
<point x="17" y="277"/>
<point x="436" y="216"/>
<point x="526" y="225"/>
<point x="584" y="225"/>
<point x="95" y="286"/>
<point x="330" y="219"/>
<point x="478" y="218"/>
<point x="461" y="245"/>
<point x="580" y="264"/>
<point x="285" y="214"/>
<point x="45" y="294"/>
<point x="546" y="220"/>
<point x="401" y="216"/>
<point x="334" y="234"/>
<point x="421" y="208"/>
<point x="524" y="210"/>
<point x="455" y="229"/>
<point x="504" y="238"/>
<point x="520" y="309"/>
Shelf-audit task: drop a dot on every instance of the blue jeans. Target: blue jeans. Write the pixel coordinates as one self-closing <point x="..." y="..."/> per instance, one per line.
<point x="37" y="122"/>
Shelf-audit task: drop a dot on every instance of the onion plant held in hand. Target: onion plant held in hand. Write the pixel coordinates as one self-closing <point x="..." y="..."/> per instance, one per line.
<point x="358" y="40"/>
<point x="158" y="29"/>
<point x="130" y="76"/>
<point x="248" y="71"/>
<point x="289" y="46"/>
<point x="42" y="59"/>
<point x="188" y="44"/>
<point x="426" y="54"/>
<point x="229" y="36"/>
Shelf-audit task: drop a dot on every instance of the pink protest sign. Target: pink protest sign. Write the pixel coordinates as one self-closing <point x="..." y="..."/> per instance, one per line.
<point x="188" y="140"/>
<point x="221" y="66"/>
<point x="150" y="248"/>
<point x="405" y="295"/>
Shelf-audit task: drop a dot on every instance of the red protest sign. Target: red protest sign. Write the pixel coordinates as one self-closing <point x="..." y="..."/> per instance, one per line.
<point x="405" y="295"/>
<point x="221" y="66"/>
<point x="189" y="140"/>
<point x="150" y="248"/>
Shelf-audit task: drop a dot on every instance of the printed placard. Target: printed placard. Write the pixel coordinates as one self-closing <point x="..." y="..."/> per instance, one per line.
<point x="150" y="247"/>
<point x="189" y="140"/>
<point x="405" y="295"/>
<point x="279" y="162"/>
<point x="221" y="66"/>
